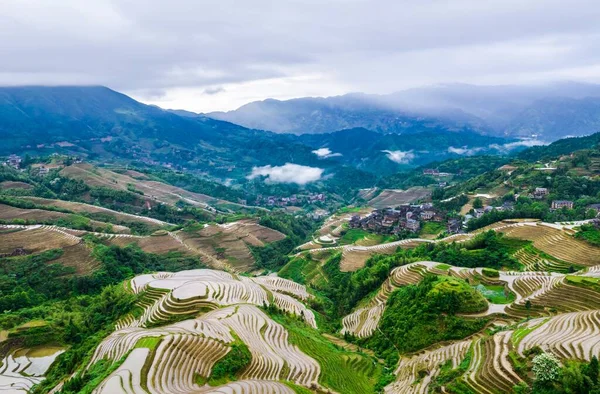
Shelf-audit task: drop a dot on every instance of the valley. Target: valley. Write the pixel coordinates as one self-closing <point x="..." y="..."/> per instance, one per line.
<point x="125" y="274"/>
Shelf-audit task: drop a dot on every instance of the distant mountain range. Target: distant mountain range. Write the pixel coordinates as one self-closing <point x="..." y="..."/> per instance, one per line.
<point x="549" y="111"/>
<point x="101" y="124"/>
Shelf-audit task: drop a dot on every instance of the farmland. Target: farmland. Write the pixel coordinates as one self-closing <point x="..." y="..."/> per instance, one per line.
<point x="140" y="184"/>
<point x="392" y="198"/>
<point x="108" y="300"/>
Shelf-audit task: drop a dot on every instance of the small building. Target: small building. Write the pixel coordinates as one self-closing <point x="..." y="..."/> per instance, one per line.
<point x="540" y="193"/>
<point x="14" y="161"/>
<point x="319" y="214"/>
<point x="427" y="215"/>
<point x="507" y="168"/>
<point x="454" y="226"/>
<point x="558" y="204"/>
<point x="431" y="171"/>
<point x="388" y="221"/>
<point x="43" y="170"/>
<point x="477" y="213"/>
<point x="508" y="205"/>
<point x="594" y="207"/>
<point x="413" y="225"/>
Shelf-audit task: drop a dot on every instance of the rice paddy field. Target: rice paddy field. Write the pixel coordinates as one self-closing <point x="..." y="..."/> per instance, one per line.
<point x="10" y="214"/>
<point x="153" y="190"/>
<point x="96" y="210"/>
<point x="392" y="198"/>
<point x="190" y="326"/>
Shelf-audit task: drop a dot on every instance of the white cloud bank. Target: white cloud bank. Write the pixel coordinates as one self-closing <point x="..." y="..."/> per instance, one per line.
<point x="287" y="173"/>
<point x="399" y="156"/>
<point x="512" y="145"/>
<point x="503" y="148"/>
<point x="464" y="150"/>
<point x="325" y="153"/>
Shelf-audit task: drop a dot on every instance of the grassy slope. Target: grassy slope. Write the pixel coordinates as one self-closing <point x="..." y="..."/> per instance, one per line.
<point x="341" y="370"/>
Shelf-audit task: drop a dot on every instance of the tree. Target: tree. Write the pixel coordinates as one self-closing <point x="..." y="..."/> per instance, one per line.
<point x="593" y="370"/>
<point x="521" y="388"/>
<point x="477" y="203"/>
<point x="546" y="367"/>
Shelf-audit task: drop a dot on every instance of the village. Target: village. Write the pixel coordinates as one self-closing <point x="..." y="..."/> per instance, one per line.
<point x="293" y="200"/>
<point x="412" y="217"/>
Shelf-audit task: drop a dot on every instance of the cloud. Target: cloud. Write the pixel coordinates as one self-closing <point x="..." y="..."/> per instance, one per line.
<point x="399" y="156"/>
<point x="214" y="90"/>
<point x="522" y="143"/>
<point x="288" y="173"/>
<point x="187" y="46"/>
<point x="465" y="151"/>
<point x="325" y="153"/>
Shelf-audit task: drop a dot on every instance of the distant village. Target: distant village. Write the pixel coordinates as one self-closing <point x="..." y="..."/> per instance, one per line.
<point x="411" y="217"/>
<point x="40" y="169"/>
<point x="396" y="220"/>
<point x="293" y="200"/>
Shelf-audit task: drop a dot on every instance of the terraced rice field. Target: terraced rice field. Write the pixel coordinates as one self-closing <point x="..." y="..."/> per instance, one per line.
<point x="230" y="242"/>
<point x="93" y="209"/>
<point x="569" y="336"/>
<point x="392" y="198"/>
<point x="535" y="294"/>
<point x="407" y="373"/>
<point x="233" y="254"/>
<point x="532" y="261"/>
<point x="15" y="185"/>
<point x="188" y="292"/>
<point x="157" y="191"/>
<point x="23" y="368"/>
<point x="37" y="239"/>
<point x="570" y="328"/>
<point x="551" y="239"/>
<point x="174" y="358"/>
<point x="158" y="244"/>
<point x="10" y="213"/>
<point x="354" y="257"/>
<point x="364" y="321"/>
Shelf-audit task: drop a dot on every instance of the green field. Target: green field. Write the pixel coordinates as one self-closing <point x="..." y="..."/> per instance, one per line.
<point x="341" y="370"/>
<point x="496" y="294"/>
<point x="354" y="235"/>
<point x="302" y="270"/>
<point x="148" y="342"/>
<point x="584" y="281"/>
<point x="432" y="228"/>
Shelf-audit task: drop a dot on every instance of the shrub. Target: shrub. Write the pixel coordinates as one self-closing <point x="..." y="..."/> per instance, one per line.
<point x="490" y="272"/>
<point x="546" y="367"/>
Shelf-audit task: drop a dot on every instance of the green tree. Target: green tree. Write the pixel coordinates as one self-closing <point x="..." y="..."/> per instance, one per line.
<point x="546" y="368"/>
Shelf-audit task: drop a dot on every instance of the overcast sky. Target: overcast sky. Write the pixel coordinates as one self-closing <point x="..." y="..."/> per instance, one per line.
<point x="215" y="55"/>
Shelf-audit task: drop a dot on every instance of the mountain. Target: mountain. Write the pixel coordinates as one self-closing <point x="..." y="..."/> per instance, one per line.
<point x="498" y="110"/>
<point x="38" y="114"/>
<point x="320" y="115"/>
<point x="97" y="122"/>
<point x="387" y="153"/>
<point x="564" y="146"/>
<point x="101" y="124"/>
<point x="555" y="118"/>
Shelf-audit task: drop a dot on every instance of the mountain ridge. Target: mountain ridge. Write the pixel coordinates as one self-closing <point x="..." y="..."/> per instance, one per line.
<point x="495" y="110"/>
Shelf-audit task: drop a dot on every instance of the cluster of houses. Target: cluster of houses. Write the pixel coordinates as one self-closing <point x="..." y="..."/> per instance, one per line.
<point x="13" y="161"/>
<point x="392" y="221"/>
<point x="294" y="200"/>
<point x="16" y="162"/>
<point x="479" y="212"/>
